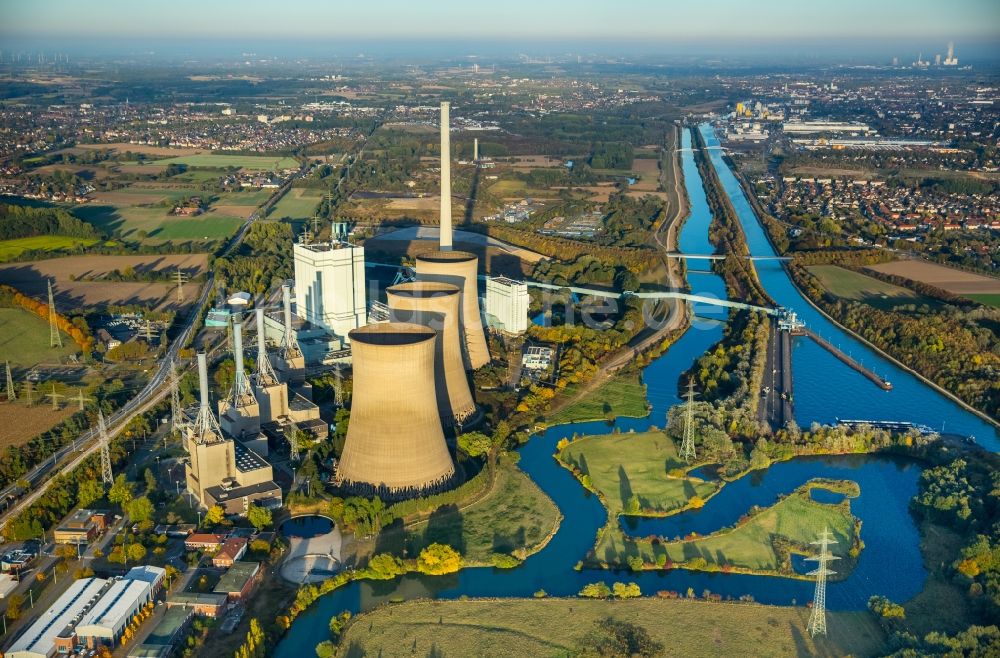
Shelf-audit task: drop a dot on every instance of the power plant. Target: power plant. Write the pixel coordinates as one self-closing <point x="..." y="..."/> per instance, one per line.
<point x="330" y="284"/>
<point x="459" y="268"/>
<point x="395" y="444"/>
<point x="436" y="305"/>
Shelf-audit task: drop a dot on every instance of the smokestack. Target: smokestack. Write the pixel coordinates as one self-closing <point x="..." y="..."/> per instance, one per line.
<point x="203" y="383"/>
<point x="261" y="343"/>
<point x="475" y="149"/>
<point x="445" y="176"/>
<point x="240" y="382"/>
<point x="286" y="300"/>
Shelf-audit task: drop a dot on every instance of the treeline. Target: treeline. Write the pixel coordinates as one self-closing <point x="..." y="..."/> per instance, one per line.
<point x="921" y="288"/>
<point x="76" y="328"/>
<point x="25" y="222"/>
<point x="726" y="234"/>
<point x="948" y="347"/>
<point x="627" y="221"/>
<point x="635" y="259"/>
<point x="611" y="155"/>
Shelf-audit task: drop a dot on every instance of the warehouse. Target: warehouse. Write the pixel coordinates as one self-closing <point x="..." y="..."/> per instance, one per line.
<point x="55" y="626"/>
<point x="107" y="620"/>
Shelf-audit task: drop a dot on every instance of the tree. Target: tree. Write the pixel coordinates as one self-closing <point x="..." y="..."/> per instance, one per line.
<point x="626" y="590"/>
<point x="139" y="509"/>
<point x="438" y="559"/>
<point x="385" y="566"/>
<point x="151" y="483"/>
<point x="88" y="491"/>
<point x="595" y="591"/>
<point x="121" y="491"/>
<point x="618" y="639"/>
<point x="259" y="517"/>
<point x="474" y="444"/>
<point x="14" y="603"/>
<point x="136" y="552"/>
<point x="214" y="515"/>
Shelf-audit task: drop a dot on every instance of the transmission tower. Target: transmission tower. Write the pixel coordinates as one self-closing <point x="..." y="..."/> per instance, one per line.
<point x="28" y="390"/>
<point x="817" y="620"/>
<point x="55" y="340"/>
<point x="55" y="397"/>
<point x="150" y="332"/>
<point x="82" y="399"/>
<point x="687" y="445"/>
<point x="179" y="279"/>
<point x="293" y="442"/>
<point x="338" y="389"/>
<point x="102" y="431"/>
<point x="11" y="396"/>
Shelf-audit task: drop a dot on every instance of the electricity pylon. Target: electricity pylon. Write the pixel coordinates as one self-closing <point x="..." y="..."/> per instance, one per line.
<point x="817" y="620"/>
<point x="82" y="399"/>
<point x="55" y="340"/>
<point x="179" y="280"/>
<point x="687" y="445"/>
<point x="11" y="395"/>
<point x="102" y="431"/>
<point x="28" y="390"/>
<point x="338" y="389"/>
<point x="55" y="397"/>
<point x="293" y="442"/>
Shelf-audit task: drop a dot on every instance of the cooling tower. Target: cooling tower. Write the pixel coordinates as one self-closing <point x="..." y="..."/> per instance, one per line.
<point x="436" y="305"/>
<point x="395" y="444"/>
<point x="460" y="268"/>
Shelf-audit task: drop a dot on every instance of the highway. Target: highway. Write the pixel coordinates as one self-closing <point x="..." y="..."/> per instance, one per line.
<point x="155" y="389"/>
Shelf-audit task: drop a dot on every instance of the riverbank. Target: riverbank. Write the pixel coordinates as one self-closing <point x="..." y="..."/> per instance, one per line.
<point x="555" y="626"/>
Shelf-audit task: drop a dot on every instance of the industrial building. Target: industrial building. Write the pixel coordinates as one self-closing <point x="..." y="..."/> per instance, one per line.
<point x="92" y="612"/>
<point x="330" y="285"/>
<point x="436" y="305"/>
<point x="395" y="443"/>
<point x="81" y="527"/>
<point x="223" y="471"/>
<point x="507" y="304"/>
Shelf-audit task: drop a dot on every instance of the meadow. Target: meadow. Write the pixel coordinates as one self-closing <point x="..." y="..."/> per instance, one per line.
<point x="848" y="284"/>
<point x="557" y="627"/>
<point x="220" y="161"/>
<point x="10" y="249"/>
<point x="627" y="465"/>
<point x="297" y="204"/>
<point x="622" y="396"/>
<point x="954" y="281"/>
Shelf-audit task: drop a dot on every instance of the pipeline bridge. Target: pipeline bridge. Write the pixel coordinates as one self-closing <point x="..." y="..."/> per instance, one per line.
<point x="677" y="254"/>
<point x="406" y="273"/>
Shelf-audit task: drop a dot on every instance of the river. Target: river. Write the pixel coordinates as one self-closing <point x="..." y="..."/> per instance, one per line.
<point x="887" y="485"/>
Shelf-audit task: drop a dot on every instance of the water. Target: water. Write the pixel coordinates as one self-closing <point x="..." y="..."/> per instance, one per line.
<point x="887" y="485"/>
<point x="306" y="527"/>
<point x="826" y="389"/>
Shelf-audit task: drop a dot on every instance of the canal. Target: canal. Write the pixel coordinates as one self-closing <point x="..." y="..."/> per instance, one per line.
<point x="887" y="485"/>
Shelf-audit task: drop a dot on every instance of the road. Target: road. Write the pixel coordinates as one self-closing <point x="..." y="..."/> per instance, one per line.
<point x="71" y="456"/>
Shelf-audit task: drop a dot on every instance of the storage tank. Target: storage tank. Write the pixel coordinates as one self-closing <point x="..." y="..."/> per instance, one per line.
<point x="461" y="269"/>
<point x="436" y="305"/>
<point x="395" y="444"/>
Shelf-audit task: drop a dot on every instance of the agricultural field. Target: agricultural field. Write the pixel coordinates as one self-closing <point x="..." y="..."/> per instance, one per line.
<point x="516" y="189"/>
<point x="145" y="149"/>
<point x="649" y="170"/>
<point x="533" y="162"/>
<point x="623" y="467"/>
<point x="146" y="208"/>
<point x="90" y="266"/>
<point x="298" y="204"/>
<point x="622" y="396"/>
<point x="848" y="284"/>
<point x="10" y="249"/>
<point x="540" y="627"/>
<point x="753" y="545"/>
<point x="24" y="340"/>
<point x="513" y="517"/>
<point x="954" y="281"/>
<point x="19" y="422"/>
<point x="221" y="161"/>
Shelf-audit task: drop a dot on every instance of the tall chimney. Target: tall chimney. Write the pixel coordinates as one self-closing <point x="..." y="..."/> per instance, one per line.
<point x="475" y="149"/>
<point x="261" y="342"/>
<point x="240" y="379"/>
<point x="203" y="383"/>
<point x="286" y="300"/>
<point x="445" y="177"/>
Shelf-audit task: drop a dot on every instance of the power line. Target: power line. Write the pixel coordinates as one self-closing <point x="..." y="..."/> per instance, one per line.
<point x="817" y="620"/>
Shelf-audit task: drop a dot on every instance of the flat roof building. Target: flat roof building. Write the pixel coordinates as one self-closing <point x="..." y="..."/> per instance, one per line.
<point x="507" y="300"/>
<point x="57" y="623"/>
<point x="106" y="621"/>
<point x="330" y="285"/>
<point x="81" y="527"/>
<point x="239" y="581"/>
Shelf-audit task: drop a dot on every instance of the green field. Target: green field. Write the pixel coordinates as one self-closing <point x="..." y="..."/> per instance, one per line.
<point x="24" y="340"/>
<point x="853" y="285"/>
<point x="297" y="204"/>
<point x="560" y="627"/>
<point x="244" y="198"/>
<point x="219" y="161"/>
<point x="987" y="299"/>
<point x="516" y="515"/>
<point x="795" y="520"/>
<point x="10" y="249"/>
<point x="623" y="466"/>
<point x="622" y="396"/>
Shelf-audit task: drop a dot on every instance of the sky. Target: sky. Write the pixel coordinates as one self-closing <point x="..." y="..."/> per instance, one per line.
<point x="670" y="24"/>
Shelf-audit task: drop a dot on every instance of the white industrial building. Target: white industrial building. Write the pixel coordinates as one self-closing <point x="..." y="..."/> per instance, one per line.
<point x="56" y="625"/>
<point x="91" y="612"/>
<point x="330" y="285"/>
<point x="507" y="302"/>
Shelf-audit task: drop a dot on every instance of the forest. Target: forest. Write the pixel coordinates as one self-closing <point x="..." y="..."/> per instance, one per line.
<point x="25" y="222"/>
